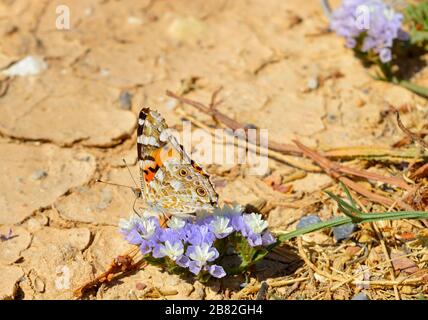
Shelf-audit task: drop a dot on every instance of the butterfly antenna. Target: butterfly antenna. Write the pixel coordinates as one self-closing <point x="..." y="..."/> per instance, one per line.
<point x="133" y="207"/>
<point x="114" y="184"/>
<point x="130" y="173"/>
<point x="136" y="191"/>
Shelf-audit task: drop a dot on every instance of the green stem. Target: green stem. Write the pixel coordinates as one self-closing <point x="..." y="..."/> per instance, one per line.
<point x="334" y="222"/>
<point x="365" y="217"/>
<point x="422" y="91"/>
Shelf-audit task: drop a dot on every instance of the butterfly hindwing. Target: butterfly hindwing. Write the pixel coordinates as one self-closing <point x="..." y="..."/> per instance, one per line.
<point x="171" y="181"/>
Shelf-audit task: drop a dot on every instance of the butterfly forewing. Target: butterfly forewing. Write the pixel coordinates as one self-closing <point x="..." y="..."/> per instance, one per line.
<point x="171" y="182"/>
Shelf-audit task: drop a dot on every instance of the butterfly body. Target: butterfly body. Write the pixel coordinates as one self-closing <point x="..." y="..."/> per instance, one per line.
<point x="171" y="182"/>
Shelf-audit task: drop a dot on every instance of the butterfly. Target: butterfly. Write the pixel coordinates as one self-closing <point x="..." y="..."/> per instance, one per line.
<point x="171" y="182"/>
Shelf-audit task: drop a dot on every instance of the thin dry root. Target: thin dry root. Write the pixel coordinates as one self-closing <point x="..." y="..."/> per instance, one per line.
<point x="121" y="264"/>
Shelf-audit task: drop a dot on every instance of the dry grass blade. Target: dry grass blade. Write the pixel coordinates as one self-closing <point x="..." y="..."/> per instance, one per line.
<point x="291" y="160"/>
<point x="120" y="265"/>
<point x="333" y="169"/>
<point x="229" y="122"/>
<point x="422" y="172"/>
<point x="416" y="138"/>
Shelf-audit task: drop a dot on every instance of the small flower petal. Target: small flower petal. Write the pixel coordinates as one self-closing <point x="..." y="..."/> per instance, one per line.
<point x="216" y="271"/>
<point x="255" y="222"/>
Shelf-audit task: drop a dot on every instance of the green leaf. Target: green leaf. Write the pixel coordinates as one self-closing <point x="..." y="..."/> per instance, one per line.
<point x="422" y="91"/>
<point x="417" y="17"/>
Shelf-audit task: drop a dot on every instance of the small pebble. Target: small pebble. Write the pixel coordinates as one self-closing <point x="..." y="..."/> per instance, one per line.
<point x="88" y="12"/>
<point x="360" y="296"/>
<point x="171" y="104"/>
<point x="6" y="236"/>
<point x="344" y="232"/>
<point x="39" y="174"/>
<point x="360" y="103"/>
<point x="134" y="20"/>
<point x="29" y="66"/>
<point x="125" y="100"/>
<point x="331" y="117"/>
<point x="39" y="285"/>
<point x="140" y="286"/>
<point x="307" y="221"/>
<point x="105" y="72"/>
<point x="312" y="83"/>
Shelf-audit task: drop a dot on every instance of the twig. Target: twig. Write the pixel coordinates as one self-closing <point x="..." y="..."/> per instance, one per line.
<point x="385" y="251"/>
<point x="271" y="282"/>
<point x="375" y="153"/>
<point x="416" y="138"/>
<point x="333" y="169"/>
<point x="276" y="150"/>
<point x="122" y="264"/>
<point x="257" y="149"/>
<point x="422" y="172"/>
<point x="314" y="268"/>
<point x="284" y="148"/>
<point x="261" y="295"/>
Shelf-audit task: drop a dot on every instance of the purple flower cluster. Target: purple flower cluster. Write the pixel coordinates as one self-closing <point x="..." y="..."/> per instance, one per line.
<point x="191" y="243"/>
<point x="372" y="22"/>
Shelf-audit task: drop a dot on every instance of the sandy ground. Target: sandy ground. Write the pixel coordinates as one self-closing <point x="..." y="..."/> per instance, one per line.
<point x="64" y="128"/>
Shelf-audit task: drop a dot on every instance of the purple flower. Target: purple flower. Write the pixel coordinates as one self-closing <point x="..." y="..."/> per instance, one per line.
<point x="146" y="246"/>
<point x="237" y="223"/>
<point x="173" y="250"/>
<point x="221" y="226"/>
<point x="385" y="55"/>
<point x="254" y="239"/>
<point x="183" y="261"/>
<point x="142" y="231"/>
<point x="255" y="222"/>
<point x="191" y="243"/>
<point x="267" y="238"/>
<point x="198" y="235"/>
<point x="216" y="271"/>
<point x="200" y="255"/>
<point x="148" y="227"/>
<point x="170" y="235"/>
<point x="176" y="223"/>
<point x="134" y="237"/>
<point x="194" y="267"/>
<point x="373" y="20"/>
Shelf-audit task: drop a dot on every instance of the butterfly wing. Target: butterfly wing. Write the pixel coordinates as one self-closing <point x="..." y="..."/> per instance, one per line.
<point x="171" y="182"/>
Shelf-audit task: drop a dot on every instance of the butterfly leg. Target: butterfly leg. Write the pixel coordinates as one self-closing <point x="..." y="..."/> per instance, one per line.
<point x="163" y="219"/>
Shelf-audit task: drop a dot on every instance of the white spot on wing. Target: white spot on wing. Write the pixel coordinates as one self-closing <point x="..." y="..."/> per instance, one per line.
<point x="176" y="185"/>
<point x="154" y="184"/>
<point x="140" y="121"/>
<point x="147" y="141"/>
<point x="159" y="175"/>
<point x="148" y="163"/>
<point x="164" y="135"/>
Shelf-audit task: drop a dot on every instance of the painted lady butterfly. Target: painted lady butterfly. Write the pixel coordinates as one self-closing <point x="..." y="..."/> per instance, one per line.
<point x="171" y="182"/>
